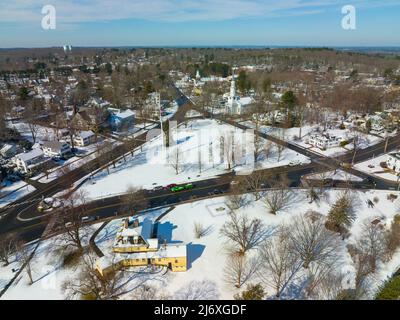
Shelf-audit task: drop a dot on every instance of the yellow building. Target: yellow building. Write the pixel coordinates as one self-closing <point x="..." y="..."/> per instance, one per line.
<point x="135" y="246"/>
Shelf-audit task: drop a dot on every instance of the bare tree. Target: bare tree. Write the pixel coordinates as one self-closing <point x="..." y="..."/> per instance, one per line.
<point x="312" y="241"/>
<point x="327" y="286"/>
<point x="279" y="264"/>
<point x="8" y="245"/>
<point x="91" y="285"/>
<point x="135" y="198"/>
<point x="280" y="147"/>
<point x="362" y="264"/>
<point x="198" y="290"/>
<point x="244" y="232"/>
<point x="25" y="256"/>
<point x="393" y="237"/>
<point x="267" y="149"/>
<point x="239" y="269"/>
<point x="104" y="151"/>
<point x="372" y="243"/>
<point x="199" y="230"/>
<point x="319" y="275"/>
<point x="255" y="182"/>
<point x="71" y="220"/>
<point x="279" y="197"/>
<point x="148" y="292"/>
<point x="31" y="113"/>
<point x="228" y="146"/>
<point x="237" y="197"/>
<point x="175" y="159"/>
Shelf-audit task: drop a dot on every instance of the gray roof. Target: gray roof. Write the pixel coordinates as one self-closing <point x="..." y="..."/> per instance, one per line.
<point x="30" y="155"/>
<point x="53" y="145"/>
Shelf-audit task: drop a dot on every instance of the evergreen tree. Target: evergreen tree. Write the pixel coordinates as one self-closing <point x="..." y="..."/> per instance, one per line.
<point x="341" y="215"/>
<point x="252" y="292"/>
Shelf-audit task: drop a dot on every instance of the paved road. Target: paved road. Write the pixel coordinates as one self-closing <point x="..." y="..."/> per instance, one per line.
<point x="8" y="216"/>
<point x="324" y="161"/>
<point x="114" y="206"/>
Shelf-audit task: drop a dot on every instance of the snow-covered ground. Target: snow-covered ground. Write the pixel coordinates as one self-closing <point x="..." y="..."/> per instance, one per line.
<point x="336" y="175"/>
<point x="373" y="167"/>
<point x="292" y="134"/>
<point x="86" y="154"/>
<point x="207" y="256"/>
<point x="42" y="133"/>
<point x="14" y="191"/>
<point x="200" y="138"/>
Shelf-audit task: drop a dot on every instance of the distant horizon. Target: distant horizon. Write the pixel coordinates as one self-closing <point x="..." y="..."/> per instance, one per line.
<point x="211" y="46"/>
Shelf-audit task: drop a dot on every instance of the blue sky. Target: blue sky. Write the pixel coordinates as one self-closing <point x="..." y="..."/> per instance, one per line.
<point x="199" y="22"/>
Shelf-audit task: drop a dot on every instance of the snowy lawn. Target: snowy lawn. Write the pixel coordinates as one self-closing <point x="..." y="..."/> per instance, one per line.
<point x="292" y="134"/>
<point x="373" y="167"/>
<point x="201" y="138"/>
<point x="207" y="256"/>
<point x="13" y="192"/>
<point x="339" y="175"/>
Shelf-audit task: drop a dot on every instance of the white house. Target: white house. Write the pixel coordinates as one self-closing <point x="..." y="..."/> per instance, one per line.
<point x="55" y="148"/>
<point x="324" y="141"/>
<point x="8" y="150"/>
<point x="393" y="162"/>
<point x="26" y="161"/>
<point x="84" y="138"/>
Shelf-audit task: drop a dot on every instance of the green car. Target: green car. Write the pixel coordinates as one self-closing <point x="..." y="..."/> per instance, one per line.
<point x="177" y="188"/>
<point x="188" y="186"/>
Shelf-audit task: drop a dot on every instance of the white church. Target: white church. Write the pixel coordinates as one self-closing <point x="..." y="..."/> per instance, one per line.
<point x="235" y="104"/>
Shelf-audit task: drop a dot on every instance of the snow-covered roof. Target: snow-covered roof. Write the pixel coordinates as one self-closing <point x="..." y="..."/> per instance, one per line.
<point x="245" y="101"/>
<point x="124" y="114"/>
<point x="26" y="156"/>
<point x="7" y="147"/>
<point x="54" y="145"/>
<point x="129" y="233"/>
<point x="85" y="134"/>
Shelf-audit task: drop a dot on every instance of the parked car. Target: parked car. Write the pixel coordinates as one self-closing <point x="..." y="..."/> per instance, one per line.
<point x="88" y="219"/>
<point x="171" y="186"/>
<point x="294" y="163"/>
<point x="188" y="186"/>
<point x="177" y="188"/>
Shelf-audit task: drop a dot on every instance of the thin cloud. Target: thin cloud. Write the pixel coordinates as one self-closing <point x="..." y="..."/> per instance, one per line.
<point x="80" y="11"/>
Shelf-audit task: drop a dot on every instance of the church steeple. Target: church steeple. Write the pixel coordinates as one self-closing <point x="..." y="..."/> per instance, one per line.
<point x="233" y="86"/>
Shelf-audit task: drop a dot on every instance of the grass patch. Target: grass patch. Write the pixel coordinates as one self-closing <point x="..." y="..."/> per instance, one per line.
<point x="391" y="290"/>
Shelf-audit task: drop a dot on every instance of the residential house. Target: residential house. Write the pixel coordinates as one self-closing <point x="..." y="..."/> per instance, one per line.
<point x="89" y="118"/>
<point x="27" y="161"/>
<point x="56" y="148"/>
<point x="324" y="141"/>
<point x="8" y="150"/>
<point x="84" y="138"/>
<point x="121" y="120"/>
<point x="135" y="245"/>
